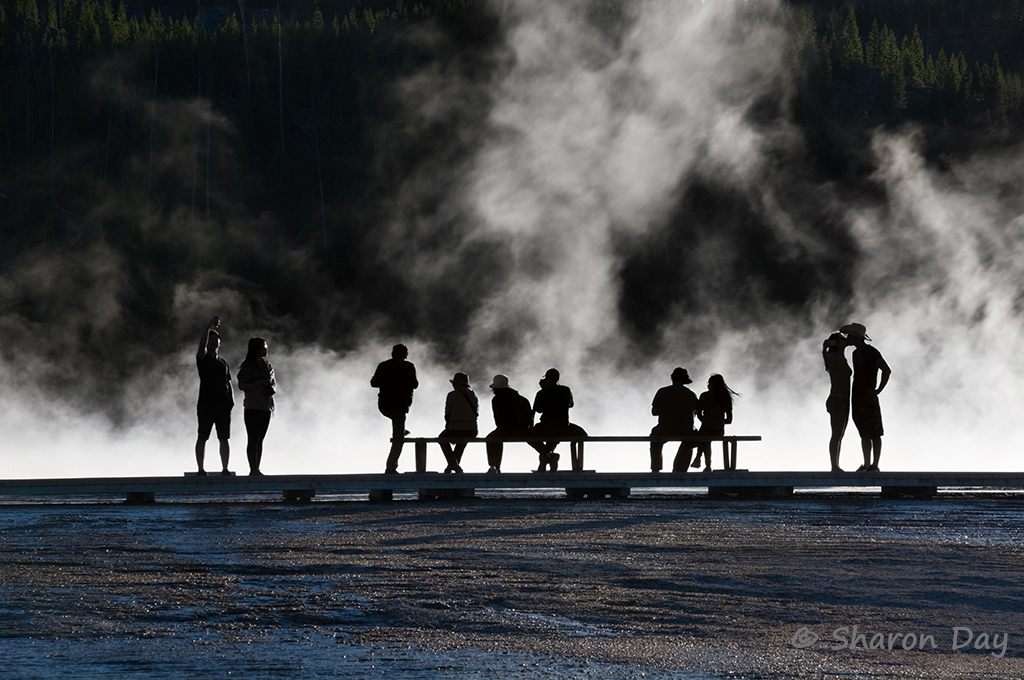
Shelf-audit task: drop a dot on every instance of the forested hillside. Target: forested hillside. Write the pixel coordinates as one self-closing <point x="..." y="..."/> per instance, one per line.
<point x="151" y="150"/>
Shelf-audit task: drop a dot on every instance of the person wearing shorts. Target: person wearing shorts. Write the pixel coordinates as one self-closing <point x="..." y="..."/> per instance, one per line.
<point x="216" y="397"/>
<point x="867" y="414"/>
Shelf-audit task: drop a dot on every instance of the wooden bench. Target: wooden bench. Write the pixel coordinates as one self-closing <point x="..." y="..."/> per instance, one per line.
<point x="729" y="443"/>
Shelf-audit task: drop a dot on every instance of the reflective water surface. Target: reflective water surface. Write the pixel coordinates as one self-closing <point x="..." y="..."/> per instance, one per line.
<point x="538" y="586"/>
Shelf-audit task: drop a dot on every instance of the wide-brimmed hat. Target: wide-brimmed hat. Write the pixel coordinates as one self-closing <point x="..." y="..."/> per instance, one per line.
<point x="681" y="375"/>
<point x="460" y="379"/>
<point x="855" y="329"/>
<point x="500" y="382"/>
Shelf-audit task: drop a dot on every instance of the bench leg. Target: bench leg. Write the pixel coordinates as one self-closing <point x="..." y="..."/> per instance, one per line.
<point x="732" y="454"/>
<point x="576" y="452"/>
<point x="421" y="456"/>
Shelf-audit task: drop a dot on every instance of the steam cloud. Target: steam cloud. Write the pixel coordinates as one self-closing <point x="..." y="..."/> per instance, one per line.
<point x="610" y="189"/>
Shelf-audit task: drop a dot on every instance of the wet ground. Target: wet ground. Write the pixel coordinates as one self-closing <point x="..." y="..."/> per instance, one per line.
<point x="683" y="587"/>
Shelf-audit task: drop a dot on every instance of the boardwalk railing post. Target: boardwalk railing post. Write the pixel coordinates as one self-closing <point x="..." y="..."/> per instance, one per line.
<point x="421" y="455"/>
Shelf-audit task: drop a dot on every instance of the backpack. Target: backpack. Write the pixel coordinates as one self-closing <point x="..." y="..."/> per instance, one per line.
<point x="524" y="413"/>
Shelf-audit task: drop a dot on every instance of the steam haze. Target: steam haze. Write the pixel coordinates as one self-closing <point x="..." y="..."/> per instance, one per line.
<point x="609" y="189"/>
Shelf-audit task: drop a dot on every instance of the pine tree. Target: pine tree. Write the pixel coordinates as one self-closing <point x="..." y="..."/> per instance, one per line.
<point x="889" y="57"/>
<point x="912" y="53"/>
<point x="966" y="78"/>
<point x="930" y="76"/>
<point x="892" y="88"/>
<point x="827" y="50"/>
<point x="873" y="52"/>
<point x="318" y="22"/>
<point x="31" y="14"/>
<point x="852" y="47"/>
<point x="89" y="33"/>
<point x="119" y="29"/>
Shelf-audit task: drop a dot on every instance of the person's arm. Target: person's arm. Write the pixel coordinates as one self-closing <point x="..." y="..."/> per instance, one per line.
<point x="204" y="341"/>
<point x="569" y="392"/>
<point x="886" y="372"/>
<point x="375" y="380"/>
<point x="728" y="416"/>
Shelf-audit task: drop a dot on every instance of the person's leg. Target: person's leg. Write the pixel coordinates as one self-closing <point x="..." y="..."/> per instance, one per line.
<point x="460" y="448"/>
<point x="264" y="425"/>
<point x="839" y="417"/>
<point x="865" y="447"/>
<point x="552" y="456"/>
<point x="200" y="455"/>
<point x="222" y="421"/>
<point x="446" y="449"/>
<point x="656" y="448"/>
<point x="705" y="450"/>
<point x="225" y="454"/>
<point x="251" y="435"/>
<point x="495" y="449"/>
<point x="876" y="445"/>
<point x="205" y="428"/>
<point x="543" y="452"/>
<point x="256" y="425"/>
<point x="397" y="435"/>
<point x="682" y="460"/>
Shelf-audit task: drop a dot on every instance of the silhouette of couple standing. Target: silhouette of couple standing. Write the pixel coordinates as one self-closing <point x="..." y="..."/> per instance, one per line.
<point x="257" y="381"/>
<point x="861" y="398"/>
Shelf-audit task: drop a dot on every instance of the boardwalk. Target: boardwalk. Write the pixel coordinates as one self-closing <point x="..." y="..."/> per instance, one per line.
<point x="430" y="484"/>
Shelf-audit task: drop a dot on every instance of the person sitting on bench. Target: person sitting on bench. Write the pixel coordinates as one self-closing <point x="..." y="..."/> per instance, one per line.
<point x="461" y="409"/>
<point x="513" y="417"/>
<point x="552" y="402"/>
<point x="675" y="406"/>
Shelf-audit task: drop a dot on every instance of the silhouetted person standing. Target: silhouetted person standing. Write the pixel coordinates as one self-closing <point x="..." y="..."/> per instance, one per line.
<point x="215" y="397"/>
<point x="396" y="379"/>
<point x="867" y="414"/>
<point x="513" y="417"/>
<point x="714" y="408"/>
<point x="552" y="402"/>
<point x="461" y="409"/>
<point x="256" y="379"/>
<point x="675" y="406"/>
<point x="838" y="402"/>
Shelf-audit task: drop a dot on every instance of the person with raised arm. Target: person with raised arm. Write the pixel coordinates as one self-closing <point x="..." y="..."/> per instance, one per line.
<point x="868" y="364"/>
<point x="216" y="398"/>
<point x="838" y="402"/>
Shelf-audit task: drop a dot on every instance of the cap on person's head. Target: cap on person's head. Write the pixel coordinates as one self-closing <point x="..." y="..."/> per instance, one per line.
<point x="552" y="374"/>
<point x="681" y="375"/>
<point x="855" y="329"/>
<point x="399" y="351"/>
<point x="460" y="379"/>
<point x="500" y="382"/>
